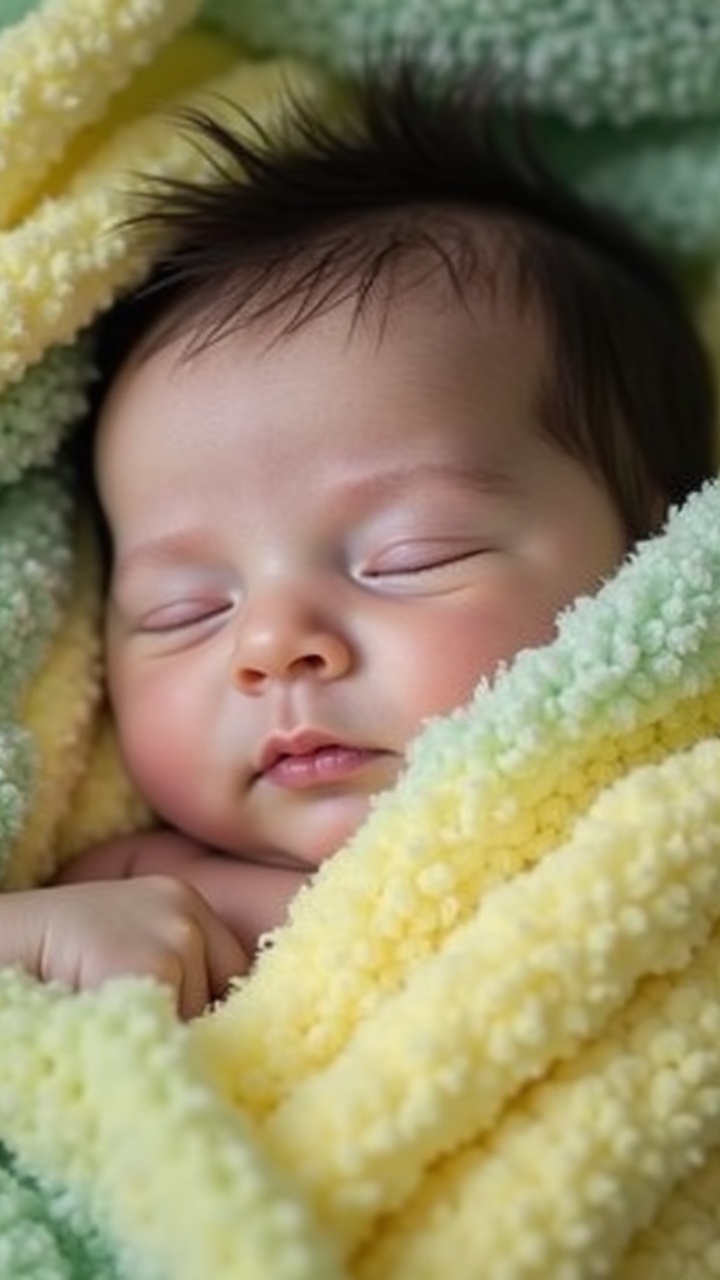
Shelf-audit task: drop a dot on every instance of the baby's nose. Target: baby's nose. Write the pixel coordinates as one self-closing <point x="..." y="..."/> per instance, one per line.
<point x="287" y="640"/>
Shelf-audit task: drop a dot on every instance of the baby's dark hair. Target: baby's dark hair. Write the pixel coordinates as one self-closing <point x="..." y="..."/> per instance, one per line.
<point x="442" y="177"/>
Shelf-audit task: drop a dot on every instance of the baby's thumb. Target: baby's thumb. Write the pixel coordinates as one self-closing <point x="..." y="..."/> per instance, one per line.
<point x="225" y="958"/>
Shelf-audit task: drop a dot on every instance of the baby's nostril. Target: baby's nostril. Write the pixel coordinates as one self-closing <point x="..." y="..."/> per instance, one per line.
<point x="314" y="660"/>
<point x="250" y="677"/>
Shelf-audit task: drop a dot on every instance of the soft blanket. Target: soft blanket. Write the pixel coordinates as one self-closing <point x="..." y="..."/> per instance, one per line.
<point x="487" y="1043"/>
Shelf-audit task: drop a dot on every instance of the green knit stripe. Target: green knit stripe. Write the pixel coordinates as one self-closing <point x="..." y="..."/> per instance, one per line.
<point x="46" y="1235"/>
<point x="39" y="410"/>
<point x="12" y="11"/>
<point x="578" y="58"/>
<point x="664" y="178"/>
<point x="634" y="90"/>
<point x="35" y="563"/>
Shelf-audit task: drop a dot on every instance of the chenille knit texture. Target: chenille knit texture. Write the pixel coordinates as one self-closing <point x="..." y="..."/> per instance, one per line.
<point x="487" y="1041"/>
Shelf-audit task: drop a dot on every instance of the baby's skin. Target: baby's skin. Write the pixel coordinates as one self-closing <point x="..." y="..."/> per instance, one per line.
<point x="157" y="904"/>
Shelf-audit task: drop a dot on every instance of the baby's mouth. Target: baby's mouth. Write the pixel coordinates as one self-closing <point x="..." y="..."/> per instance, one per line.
<point x="328" y="764"/>
<point x="310" y="759"/>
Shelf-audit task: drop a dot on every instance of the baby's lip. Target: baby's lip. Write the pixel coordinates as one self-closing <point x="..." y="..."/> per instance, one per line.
<point x="298" y="743"/>
<point x="309" y="759"/>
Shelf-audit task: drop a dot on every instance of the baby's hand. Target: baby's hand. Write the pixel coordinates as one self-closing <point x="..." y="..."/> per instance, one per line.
<point x="85" y="934"/>
<point x="249" y="897"/>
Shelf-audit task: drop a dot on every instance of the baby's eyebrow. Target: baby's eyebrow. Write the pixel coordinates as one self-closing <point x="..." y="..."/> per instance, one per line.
<point x="159" y="553"/>
<point x="409" y="479"/>
<point x="191" y="546"/>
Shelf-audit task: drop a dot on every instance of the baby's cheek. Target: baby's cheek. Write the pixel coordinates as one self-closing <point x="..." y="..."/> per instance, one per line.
<point x="472" y="649"/>
<point x="158" y="750"/>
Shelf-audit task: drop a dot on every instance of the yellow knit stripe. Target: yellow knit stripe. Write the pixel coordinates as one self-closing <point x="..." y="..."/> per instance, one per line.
<point x="66" y="263"/>
<point x="105" y="802"/>
<point x="98" y="1089"/>
<point x="584" y="1158"/>
<point x="538" y="971"/>
<point x="182" y="65"/>
<point x="58" y="711"/>
<point x="410" y="876"/>
<point x="683" y="1240"/>
<point x="58" y="68"/>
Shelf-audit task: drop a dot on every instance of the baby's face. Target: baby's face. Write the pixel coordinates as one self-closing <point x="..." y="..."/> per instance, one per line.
<point x="320" y="543"/>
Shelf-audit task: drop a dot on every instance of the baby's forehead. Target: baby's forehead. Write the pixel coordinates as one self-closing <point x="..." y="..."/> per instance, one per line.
<point x="374" y="267"/>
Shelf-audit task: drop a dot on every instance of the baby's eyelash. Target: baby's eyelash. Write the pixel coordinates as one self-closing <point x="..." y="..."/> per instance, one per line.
<point x="423" y="562"/>
<point x="183" y="615"/>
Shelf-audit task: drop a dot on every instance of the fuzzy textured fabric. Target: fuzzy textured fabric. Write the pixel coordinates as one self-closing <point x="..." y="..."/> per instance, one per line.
<point x="487" y="1043"/>
<point x="630" y="92"/>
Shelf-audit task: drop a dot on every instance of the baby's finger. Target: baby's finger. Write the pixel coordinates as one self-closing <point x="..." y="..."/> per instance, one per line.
<point x="177" y="960"/>
<point x="225" y="958"/>
<point x="193" y="992"/>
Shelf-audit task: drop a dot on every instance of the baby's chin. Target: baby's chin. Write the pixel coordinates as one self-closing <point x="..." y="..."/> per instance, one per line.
<point x="317" y="836"/>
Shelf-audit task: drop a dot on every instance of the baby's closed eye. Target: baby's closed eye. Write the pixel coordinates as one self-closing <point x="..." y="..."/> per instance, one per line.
<point x="183" y="614"/>
<point x="423" y="556"/>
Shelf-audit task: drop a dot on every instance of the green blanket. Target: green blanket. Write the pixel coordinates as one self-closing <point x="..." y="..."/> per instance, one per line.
<point x="487" y="1043"/>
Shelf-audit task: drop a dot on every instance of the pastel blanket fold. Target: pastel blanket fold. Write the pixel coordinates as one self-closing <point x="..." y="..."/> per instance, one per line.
<point x="487" y="1039"/>
<point x="487" y="1042"/>
<point x="630" y="93"/>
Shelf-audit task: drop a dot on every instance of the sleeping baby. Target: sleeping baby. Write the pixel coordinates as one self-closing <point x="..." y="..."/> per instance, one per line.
<point x="392" y="399"/>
